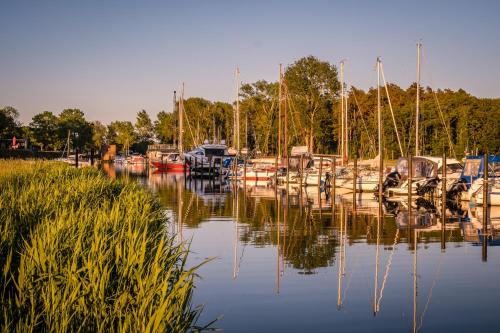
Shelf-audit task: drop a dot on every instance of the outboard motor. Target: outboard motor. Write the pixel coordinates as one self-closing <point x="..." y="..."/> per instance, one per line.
<point x="429" y="186"/>
<point x="459" y="186"/>
<point x="391" y="207"/>
<point x="426" y="204"/>
<point x="392" y="180"/>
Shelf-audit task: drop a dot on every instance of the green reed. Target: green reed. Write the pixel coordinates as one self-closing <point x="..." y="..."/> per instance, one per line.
<point x="82" y="252"/>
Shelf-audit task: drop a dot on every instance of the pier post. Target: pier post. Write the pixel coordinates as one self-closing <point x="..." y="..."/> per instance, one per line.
<point x="320" y="171"/>
<point x="76" y="158"/>
<point x="245" y="172"/>
<point x="276" y="177"/>
<point x="287" y="174"/>
<point x="485" y="206"/>
<point x="354" y="181"/>
<point x="443" y="203"/>
<point x="410" y="174"/>
<point x="301" y="170"/>
<point x="334" y="178"/>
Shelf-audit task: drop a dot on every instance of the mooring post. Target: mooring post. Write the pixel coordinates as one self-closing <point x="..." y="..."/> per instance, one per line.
<point x="287" y="174"/>
<point x="334" y="178"/>
<point x="320" y="171"/>
<point x="410" y="174"/>
<point x="236" y="173"/>
<point x="76" y="158"/>
<point x="245" y="172"/>
<point x="276" y="177"/>
<point x="485" y="206"/>
<point x="354" y="181"/>
<point x="301" y="170"/>
<point x="443" y="203"/>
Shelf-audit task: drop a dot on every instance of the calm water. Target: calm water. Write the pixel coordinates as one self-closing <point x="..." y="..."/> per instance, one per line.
<point x="307" y="266"/>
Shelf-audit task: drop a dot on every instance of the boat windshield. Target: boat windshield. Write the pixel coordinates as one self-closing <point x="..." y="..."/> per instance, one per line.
<point x="214" y="152"/>
<point x="471" y="167"/>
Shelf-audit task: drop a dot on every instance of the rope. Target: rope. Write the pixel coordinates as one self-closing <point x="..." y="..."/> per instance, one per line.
<point x="439" y="108"/>
<point x="372" y="141"/>
<point x="187" y="119"/>
<point x="390" y="107"/>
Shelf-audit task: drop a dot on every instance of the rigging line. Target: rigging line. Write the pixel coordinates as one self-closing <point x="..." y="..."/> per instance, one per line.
<point x="450" y="143"/>
<point x="388" y="267"/>
<point x="187" y="119"/>
<point x="392" y="111"/>
<point x="294" y="114"/>
<point x="292" y="108"/>
<point x="269" y="127"/>
<point x="372" y="141"/>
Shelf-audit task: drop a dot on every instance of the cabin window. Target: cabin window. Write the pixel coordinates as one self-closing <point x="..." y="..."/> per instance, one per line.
<point x="472" y="168"/>
<point x="214" y="152"/>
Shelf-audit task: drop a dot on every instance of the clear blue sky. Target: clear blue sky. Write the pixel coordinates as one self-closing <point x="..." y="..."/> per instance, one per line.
<point x="113" y="58"/>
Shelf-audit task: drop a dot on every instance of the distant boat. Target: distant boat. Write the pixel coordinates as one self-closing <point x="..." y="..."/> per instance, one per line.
<point x="206" y="156"/>
<point x="135" y="159"/>
<point x="170" y="162"/>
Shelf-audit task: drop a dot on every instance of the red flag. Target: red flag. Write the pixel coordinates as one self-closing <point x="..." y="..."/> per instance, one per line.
<point x="14" y="141"/>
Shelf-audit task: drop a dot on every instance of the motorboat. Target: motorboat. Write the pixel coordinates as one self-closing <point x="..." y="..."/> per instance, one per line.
<point x="208" y="157"/>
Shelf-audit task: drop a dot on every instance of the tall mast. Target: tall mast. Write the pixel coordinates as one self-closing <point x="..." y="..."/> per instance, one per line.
<point x="285" y="131"/>
<point x="237" y="109"/>
<point x="181" y="118"/>
<point x="379" y="124"/>
<point x="346" y="128"/>
<point x="417" y="148"/>
<point x="279" y="112"/>
<point x="174" y="108"/>
<point x="342" y="137"/>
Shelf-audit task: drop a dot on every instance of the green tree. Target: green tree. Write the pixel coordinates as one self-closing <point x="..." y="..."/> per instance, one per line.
<point x="99" y="135"/>
<point x="44" y="131"/>
<point x="312" y="85"/>
<point x="144" y="127"/>
<point x="73" y="121"/>
<point x="122" y="133"/>
<point x="9" y="125"/>
<point x="165" y="127"/>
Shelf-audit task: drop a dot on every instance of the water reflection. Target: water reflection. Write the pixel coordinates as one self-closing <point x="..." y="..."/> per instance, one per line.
<point x="318" y="251"/>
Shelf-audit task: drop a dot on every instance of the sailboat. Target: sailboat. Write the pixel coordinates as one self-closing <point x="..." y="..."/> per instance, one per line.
<point x="174" y="161"/>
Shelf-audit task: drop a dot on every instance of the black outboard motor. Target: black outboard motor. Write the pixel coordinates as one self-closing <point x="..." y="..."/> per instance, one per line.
<point x="429" y="186"/>
<point x="426" y="204"/>
<point x="392" y="180"/>
<point x="459" y="186"/>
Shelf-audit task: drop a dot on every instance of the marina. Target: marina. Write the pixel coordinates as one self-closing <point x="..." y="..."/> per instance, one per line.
<point x="370" y="266"/>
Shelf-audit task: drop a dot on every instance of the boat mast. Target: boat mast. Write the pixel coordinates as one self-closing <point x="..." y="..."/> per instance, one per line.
<point x="279" y="112"/>
<point x="342" y="140"/>
<point x="181" y="118"/>
<point x="379" y="124"/>
<point x="346" y="140"/>
<point x="173" y="112"/>
<point x="238" y="109"/>
<point x="417" y="148"/>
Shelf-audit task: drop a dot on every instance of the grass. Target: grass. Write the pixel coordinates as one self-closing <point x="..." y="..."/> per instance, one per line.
<point x="81" y="252"/>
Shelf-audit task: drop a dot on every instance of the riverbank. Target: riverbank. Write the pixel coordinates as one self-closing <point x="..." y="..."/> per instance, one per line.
<point x="82" y="252"/>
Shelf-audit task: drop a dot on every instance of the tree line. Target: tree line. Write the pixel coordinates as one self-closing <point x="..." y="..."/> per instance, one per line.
<point x="451" y="121"/>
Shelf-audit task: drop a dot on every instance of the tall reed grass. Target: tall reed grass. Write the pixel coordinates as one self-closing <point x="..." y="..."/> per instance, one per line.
<point x="83" y="253"/>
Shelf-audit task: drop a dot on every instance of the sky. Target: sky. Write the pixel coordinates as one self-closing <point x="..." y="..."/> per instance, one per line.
<point x="112" y="59"/>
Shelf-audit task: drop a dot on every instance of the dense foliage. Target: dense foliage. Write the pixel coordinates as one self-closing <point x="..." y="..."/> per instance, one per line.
<point x="451" y="121"/>
<point x="82" y="252"/>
